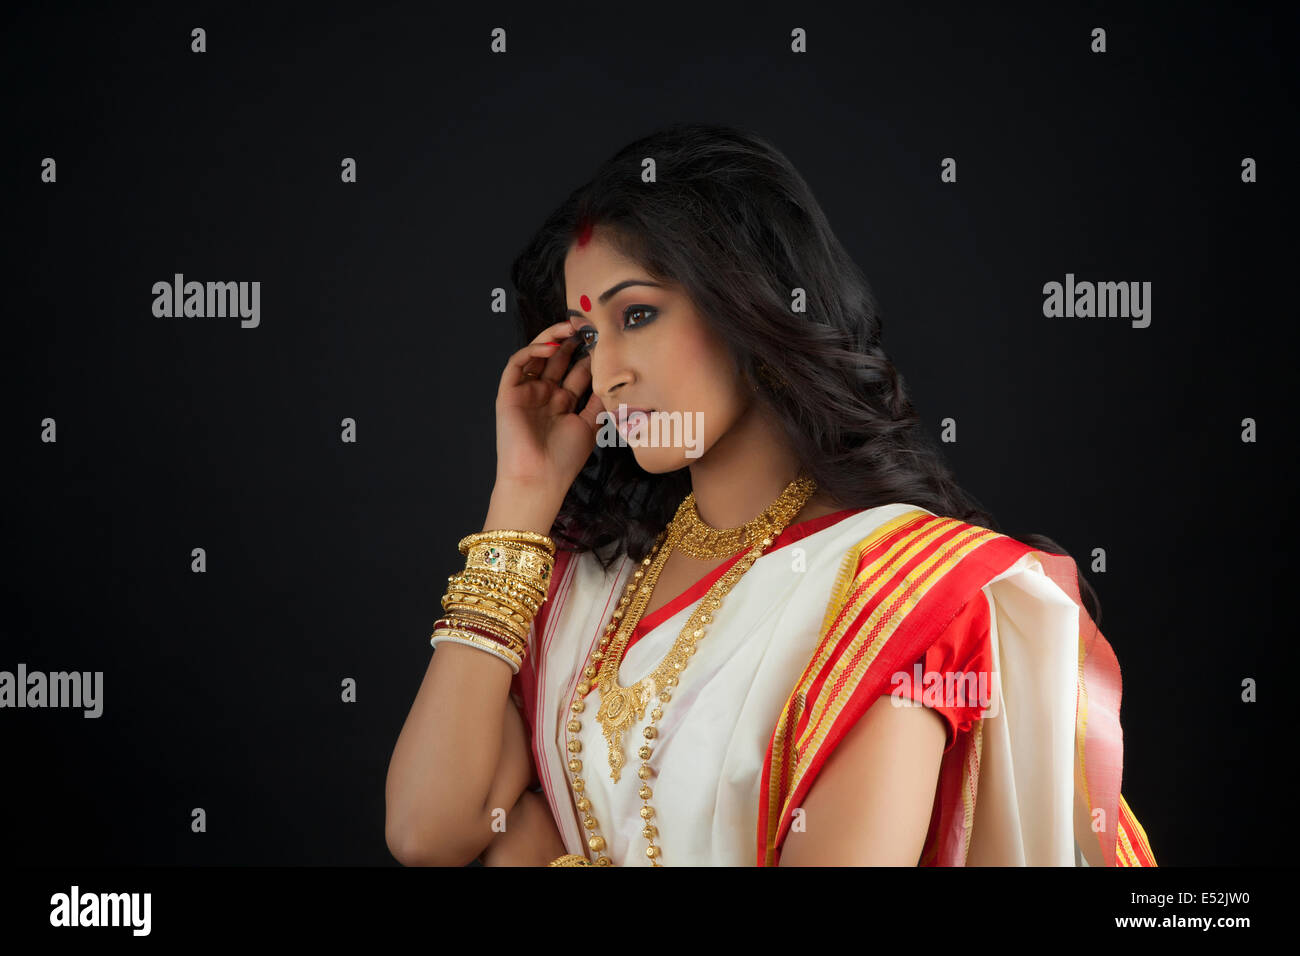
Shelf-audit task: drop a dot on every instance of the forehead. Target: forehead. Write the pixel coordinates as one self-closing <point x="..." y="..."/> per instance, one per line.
<point x="594" y="262"/>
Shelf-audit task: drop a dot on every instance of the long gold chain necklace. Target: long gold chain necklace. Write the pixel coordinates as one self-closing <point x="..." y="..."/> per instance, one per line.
<point x="619" y="704"/>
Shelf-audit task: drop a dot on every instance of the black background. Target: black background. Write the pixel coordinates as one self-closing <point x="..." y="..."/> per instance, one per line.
<point x="327" y="560"/>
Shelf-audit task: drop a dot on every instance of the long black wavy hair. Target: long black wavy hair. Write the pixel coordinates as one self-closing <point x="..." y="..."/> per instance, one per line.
<point x="732" y="222"/>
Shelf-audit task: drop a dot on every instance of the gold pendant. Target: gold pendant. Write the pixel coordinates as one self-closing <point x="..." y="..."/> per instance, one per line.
<point x="619" y="707"/>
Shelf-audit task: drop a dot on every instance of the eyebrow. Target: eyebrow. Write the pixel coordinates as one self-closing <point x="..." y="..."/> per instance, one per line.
<point x="614" y="290"/>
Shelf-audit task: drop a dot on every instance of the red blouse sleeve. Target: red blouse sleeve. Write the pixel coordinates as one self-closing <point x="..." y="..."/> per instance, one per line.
<point x="957" y="670"/>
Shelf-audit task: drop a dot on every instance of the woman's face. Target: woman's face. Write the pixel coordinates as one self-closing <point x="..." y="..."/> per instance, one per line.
<point x="650" y="349"/>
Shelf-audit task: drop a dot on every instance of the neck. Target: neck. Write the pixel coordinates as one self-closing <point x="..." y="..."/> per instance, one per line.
<point x="743" y="473"/>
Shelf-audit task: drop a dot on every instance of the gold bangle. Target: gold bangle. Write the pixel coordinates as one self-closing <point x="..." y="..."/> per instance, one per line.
<point x="458" y="601"/>
<point x="473" y="595"/>
<point x="570" y="859"/>
<point x="541" y="550"/>
<point x="517" y="630"/>
<point x="526" y="537"/>
<point x="532" y="595"/>
<point x="507" y="577"/>
<point x="501" y="557"/>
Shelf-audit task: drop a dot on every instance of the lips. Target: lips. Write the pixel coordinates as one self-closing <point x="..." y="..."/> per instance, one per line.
<point x="630" y="418"/>
<point x="626" y="413"/>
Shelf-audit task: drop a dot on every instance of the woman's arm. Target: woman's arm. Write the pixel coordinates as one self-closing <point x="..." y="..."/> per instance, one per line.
<point x="463" y="750"/>
<point x="530" y="837"/>
<point x="462" y="753"/>
<point x="871" y="803"/>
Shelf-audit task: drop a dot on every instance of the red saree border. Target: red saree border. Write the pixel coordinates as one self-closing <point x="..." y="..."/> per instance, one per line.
<point x="898" y="589"/>
<point x="1132" y="847"/>
<point x="911" y="576"/>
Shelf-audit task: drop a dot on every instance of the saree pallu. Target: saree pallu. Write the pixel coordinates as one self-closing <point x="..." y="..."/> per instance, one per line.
<point x="1036" y="780"/>
<point x="805" y="641"/>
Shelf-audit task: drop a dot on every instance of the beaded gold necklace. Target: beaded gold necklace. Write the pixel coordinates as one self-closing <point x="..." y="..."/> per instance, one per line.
<point x="619" y="705"/>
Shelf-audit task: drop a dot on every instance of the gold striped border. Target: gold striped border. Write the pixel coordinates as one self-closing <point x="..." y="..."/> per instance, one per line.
<point x="1134" y="831"/>
<point x="796" y="702"/>
<point x="859" y="592"/>
<point x="830" y="701"/>
<point x="843" y="583"/>
<point x="970" y="785"/>
<point x="1124" y="855"/>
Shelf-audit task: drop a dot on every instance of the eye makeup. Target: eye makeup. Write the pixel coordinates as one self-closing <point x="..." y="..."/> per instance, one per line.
<point x="648" y="314"/>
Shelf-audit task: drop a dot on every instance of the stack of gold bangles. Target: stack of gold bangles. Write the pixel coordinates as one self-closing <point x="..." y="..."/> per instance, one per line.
<point x="492" y="602"/>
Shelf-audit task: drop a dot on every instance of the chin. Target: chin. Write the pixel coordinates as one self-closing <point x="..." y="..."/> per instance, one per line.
<point x="660" y="461"/>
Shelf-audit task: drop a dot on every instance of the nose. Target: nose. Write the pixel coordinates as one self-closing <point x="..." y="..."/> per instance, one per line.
<point x="609" y="374"/>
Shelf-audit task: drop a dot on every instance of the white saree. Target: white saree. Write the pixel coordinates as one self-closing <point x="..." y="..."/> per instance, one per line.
<point x="714" y="735"/>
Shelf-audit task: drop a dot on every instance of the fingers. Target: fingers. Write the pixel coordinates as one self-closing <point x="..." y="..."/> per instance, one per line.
<point x="553" y="332"/>
<point x="537" y="349"/>
<point x="558" y="361"/>
<point x="567" y="393"/>
<point x="579" y="377"/>
<point x="591" y="410"/>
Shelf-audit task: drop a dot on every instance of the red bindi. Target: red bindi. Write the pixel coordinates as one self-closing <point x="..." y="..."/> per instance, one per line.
<point x="585" y="303"/>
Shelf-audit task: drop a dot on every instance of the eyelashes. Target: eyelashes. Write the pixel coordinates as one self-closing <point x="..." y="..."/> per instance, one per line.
<point x="585" y="344"/>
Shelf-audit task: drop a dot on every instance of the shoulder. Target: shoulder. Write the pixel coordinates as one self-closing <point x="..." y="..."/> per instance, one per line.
<point x="908" y="548"/>
<point x="916" y="589"/>
<point x="921" y="582"/>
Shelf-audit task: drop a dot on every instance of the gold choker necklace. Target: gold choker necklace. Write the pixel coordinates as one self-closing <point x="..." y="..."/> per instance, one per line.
<point x="701" y="540"/>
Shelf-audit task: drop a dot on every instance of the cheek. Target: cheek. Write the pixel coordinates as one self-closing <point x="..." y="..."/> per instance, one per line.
<point x="701" y="361"/>
<point x="712" y="391"/>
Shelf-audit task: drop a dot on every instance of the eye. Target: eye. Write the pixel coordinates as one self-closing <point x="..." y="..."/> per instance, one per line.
<point x="587" y="336"/>
<point x="644" y="309"/>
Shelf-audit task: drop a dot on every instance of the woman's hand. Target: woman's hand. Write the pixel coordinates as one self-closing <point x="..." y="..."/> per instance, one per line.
<point x="540" y="441"/>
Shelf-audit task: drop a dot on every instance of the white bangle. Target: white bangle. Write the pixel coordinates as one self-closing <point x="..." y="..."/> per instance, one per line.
<point x="482" y="644"/>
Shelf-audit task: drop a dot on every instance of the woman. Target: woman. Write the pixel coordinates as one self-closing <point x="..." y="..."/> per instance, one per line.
<point x="767" y="626"/>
